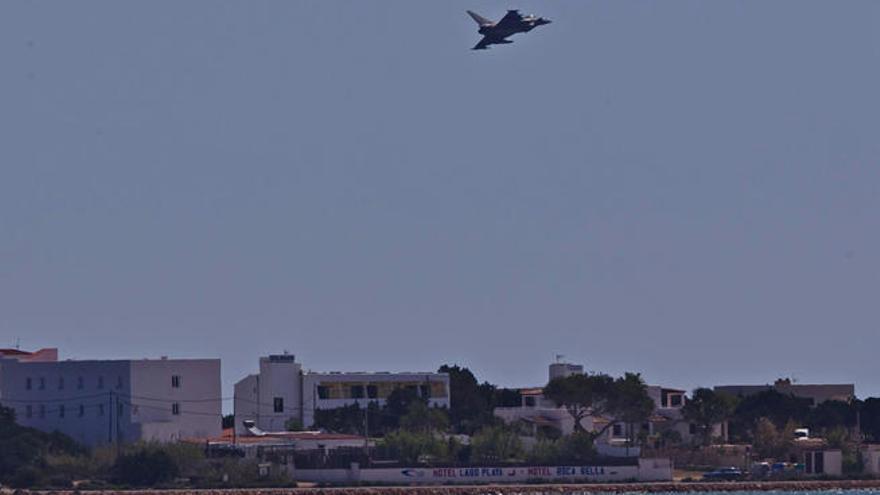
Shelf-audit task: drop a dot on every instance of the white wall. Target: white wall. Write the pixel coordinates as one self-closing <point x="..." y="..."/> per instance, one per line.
<point x="647" y="470"/>
<point x="280" y="377"/>
<point x="871" y="457"/>
<point x="198" y="399"/>
<point x="117" y="398"/>
<point x="246" y="402"/>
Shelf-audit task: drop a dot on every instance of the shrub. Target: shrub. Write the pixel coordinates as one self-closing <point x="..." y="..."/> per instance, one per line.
<point x="496" y="443"/>
<point x="145" y="468"/>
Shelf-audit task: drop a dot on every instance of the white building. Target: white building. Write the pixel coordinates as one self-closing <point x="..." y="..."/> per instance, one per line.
<point x="107" y="401"/>
<point x="564" y="370"/>
<point x="540" y="413"/>
<point x="282" y="392"/>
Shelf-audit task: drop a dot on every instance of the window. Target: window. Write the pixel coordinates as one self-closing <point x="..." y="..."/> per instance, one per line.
<point x="372" y="391"/>
<point x="323" y="392"/>
<point x="175" y="409"/>
<point x="134" y="409"/>
<point x="119" y="408"/>
<point x="530" y="401"/>
<point x="80" y="383"/>
<point x="424" y="391"/>
<point x="278" y="404"/>
<point x="617" y="430"/>
<point x="675" y="400"/>
<point x="100" y="382"/>
<point x="118" y="382"/>
<point x="61" y="411"/>
<point x="357" y="391"/>
<point x="42" y="410"/>
<point x="42" y="383"/>
<point x="28" y="383"/>
<point x="175" y="381"/>
<point x="60" y="383"/>
<point x="28" y="411"/>
<point x="82" y="410"/>
<point x="692" y="429"/>
<point x="100" y="409"/>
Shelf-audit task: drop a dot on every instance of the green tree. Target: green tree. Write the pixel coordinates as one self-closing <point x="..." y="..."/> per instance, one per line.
<point x="469" y="408"/>
<point x="869" y="416"/>
<point x="832" y="414"/>
<point x="624" y="399"/>
<point x="397" y="405"/>
<point x="24" y="451"/>
<point x="473" y="403"/>
<point x="770" y="442"/>
<point x="580" y="395"/>
<point x="770" y="404"/>
<point x="545" y="451"/>
<point x="837" y="438"/>
<point x="498" y="443"/>
<point x="705" y="409"/>
<point x="579" y="447"/>
<point x="778" y="408"/>
<point x="415" y="447"/>
<point x="351" y="419"/>
<point x="628" y="401"/>
<point x="422" y="418"/>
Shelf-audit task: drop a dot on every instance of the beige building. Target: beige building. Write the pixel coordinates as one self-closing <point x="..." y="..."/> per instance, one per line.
<point x="815" y="393"/>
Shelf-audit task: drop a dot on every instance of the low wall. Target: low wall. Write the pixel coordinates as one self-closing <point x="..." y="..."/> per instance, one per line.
<point x="512" y="489"/>
<point x="646" y="470"/>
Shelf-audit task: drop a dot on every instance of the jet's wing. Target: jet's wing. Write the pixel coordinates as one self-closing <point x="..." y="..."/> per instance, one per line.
<point x="510" y="19"/>
<point x="490" y="40"/>
<point x="484" y="43"/>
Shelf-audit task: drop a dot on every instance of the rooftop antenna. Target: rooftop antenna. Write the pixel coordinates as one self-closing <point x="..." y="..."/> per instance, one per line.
<point x="559" y="358"/>
<point x="17" y="343"/>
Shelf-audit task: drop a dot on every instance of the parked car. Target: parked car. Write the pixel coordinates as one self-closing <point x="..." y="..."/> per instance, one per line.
<point x="724" y="474"/>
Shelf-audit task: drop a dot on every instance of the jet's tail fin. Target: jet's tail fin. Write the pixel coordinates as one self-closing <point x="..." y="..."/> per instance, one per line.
<point x="482" y="21"/>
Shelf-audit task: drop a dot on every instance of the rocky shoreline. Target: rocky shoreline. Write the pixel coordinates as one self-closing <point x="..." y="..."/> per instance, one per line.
<point x="536" y="489"/>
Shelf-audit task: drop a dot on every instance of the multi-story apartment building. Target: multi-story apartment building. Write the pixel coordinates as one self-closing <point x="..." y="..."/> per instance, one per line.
<point x="106" y="401"/>
<point x="282" y="391"/>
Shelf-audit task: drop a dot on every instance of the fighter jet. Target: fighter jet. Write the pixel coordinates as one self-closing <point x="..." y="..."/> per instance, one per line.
<point x="496" y="33"/>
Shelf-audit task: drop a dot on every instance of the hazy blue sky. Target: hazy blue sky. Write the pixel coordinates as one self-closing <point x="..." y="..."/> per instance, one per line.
<point x="688" y="189"/>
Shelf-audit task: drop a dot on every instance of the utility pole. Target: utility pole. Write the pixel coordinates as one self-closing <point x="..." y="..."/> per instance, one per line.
<point x="110" y="417"/>
<point x="367" y="429"/>
<point x="118" y="413"/>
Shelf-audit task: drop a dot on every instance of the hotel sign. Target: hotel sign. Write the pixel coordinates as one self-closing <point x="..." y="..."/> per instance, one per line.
<point x="497" y="473"/>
